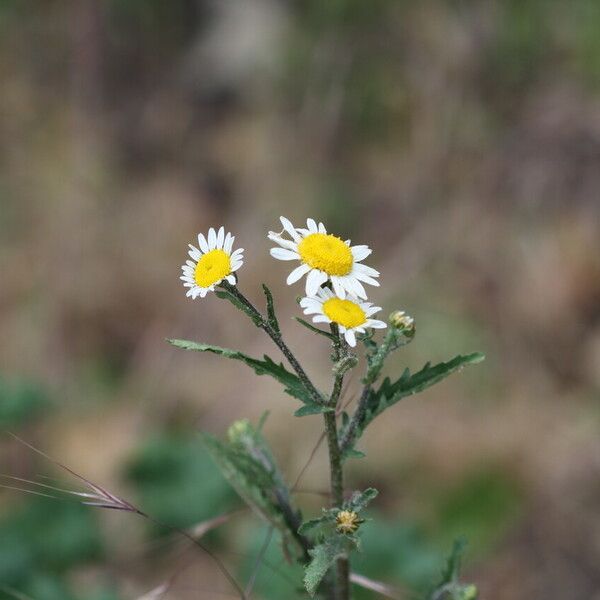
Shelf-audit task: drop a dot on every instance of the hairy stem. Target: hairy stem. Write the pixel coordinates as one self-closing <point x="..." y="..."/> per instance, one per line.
<point x="342" y="581"/>
<point x="356" y="421"/>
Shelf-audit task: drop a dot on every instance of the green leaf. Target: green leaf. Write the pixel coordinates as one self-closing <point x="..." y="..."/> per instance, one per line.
<point x="311" y="524"/>
<point x="312" y="409"/>
<point x="360" y="500"/>
<point x="227" y="295"/>
<point x="353" y="453"/>
<point x="389" y="393"/>
<point x="248" y="465"/>
<point x="292" y="384"/>
<point x="449" y="587"/>
<point x="271" y="316"/>
<point x="322" y="558"/>
<point x="314" y="329"/>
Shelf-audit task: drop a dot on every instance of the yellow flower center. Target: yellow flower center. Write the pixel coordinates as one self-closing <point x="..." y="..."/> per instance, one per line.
<point x="347" y="521"/>
<point x="327" y="253"/>
<point x="212" y="267"/>
<point x="344" y="312"/>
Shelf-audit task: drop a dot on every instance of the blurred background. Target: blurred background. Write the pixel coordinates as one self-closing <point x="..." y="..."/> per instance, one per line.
<point x="459" y="139"/>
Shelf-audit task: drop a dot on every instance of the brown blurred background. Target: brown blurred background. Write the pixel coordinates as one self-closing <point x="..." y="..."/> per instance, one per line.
<point x="459" y="139"/>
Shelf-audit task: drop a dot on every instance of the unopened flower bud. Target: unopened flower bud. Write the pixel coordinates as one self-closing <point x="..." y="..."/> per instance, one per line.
<point x="400" y="320"/>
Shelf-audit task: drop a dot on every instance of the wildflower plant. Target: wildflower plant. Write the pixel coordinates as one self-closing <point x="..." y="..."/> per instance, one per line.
<point x="335" y="297"/>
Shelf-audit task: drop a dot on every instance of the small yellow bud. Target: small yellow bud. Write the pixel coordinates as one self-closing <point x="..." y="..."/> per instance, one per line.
<point x="347" y="521"/>
<point x="400" y="320"/>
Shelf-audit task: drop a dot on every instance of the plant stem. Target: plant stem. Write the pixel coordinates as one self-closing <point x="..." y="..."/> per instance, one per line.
<point x="356" y="420"/>
<point x="342" y="581"/>
<point x="276" y="337"/>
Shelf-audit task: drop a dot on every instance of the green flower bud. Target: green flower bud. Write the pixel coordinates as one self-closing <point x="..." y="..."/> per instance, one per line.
<point x="400" y="320"/>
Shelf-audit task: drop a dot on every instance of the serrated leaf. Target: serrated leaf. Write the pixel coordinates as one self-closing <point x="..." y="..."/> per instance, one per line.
<point x="389" y="393"/>
<point x="312" y="409"/>
<point x="293" y="385"/>
<point x="322" y="558"/>
<point x="360" y="500"/>
<point x="311" y="524"/>
<point x="248" y="465"/>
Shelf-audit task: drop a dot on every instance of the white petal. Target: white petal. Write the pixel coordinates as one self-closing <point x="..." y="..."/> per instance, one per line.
<point x="202" y="243"/>
<point x="372" y="310"/>
<point x="228" y="244"/>
<point x="321" y="319"/>
<point x="230" y="279"/>
<point x="287" y="225"/>
<point x="313" y="310"/>
<point x="358" y="268"/>
<point x="282" y="254"/>
<point x="366" y="279"/>
<point x="359" y="289"/>
<point x="236" y="253"/>
<point x="338" y="287"/>
<point x="360" y="252"/>
<point x="376" y="324"/>
<point x="312" y="226"/>
<point x="350" y="337"/>
<point x="322" y="228"/>
<point x="314" y="281"/>
<point x="310" y="303"/>
<point x="220" y="237"/>
<point x="297" y="274"/>
<point x="194" y="252"/>
<point x="212" y="238"/>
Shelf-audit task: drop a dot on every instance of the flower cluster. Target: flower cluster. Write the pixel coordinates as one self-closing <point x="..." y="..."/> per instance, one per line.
<point x="334" y="272"/>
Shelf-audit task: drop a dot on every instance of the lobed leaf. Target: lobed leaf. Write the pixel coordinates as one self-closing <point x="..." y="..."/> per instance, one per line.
<point x="391" y="392"/>
<point x="360" y="500"/>
<point x="322" y="558"/>
<point x="292" y="384"/>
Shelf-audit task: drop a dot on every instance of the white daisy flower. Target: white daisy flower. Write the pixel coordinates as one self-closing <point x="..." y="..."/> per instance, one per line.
<point x="351" y="314"/>
<point x="211" y="263"/>
<point x="323" y="257"/>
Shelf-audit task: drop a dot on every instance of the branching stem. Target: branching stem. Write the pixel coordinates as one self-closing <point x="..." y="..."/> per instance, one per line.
<point x="276" y="337"/>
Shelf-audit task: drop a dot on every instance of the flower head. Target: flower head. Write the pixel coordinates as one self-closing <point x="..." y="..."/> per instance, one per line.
<point x="350" y="314"/>
<point x="212" y="262"/>
<point x="323" y="257"/>
<point x="400" y="320"/>
<point x="347" y="521"/>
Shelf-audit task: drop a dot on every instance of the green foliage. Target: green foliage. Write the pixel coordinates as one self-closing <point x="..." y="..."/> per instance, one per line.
<point x="322" y="558"/>
<point x="248" y="465"/>
<point x="176" y="482"/>
<point x="390" y="392"/>
<point x="40" y="542"/>
<point x="360" y="500"/>
<point x="225" y="294"/>
<point x="481" y="506"/>
<point x="21" y="401"/>
<point x="292" y="384"/>
<point x="448" y="587"/>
